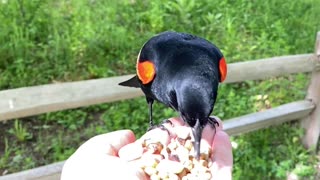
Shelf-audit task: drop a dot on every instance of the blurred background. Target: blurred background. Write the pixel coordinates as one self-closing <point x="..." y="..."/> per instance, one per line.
<point x="44" y="42"/>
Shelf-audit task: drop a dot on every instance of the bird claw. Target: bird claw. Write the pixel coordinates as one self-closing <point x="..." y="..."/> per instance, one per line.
<point x="160" y="126"/>
<point x="167" y="121"/>
<point x="212" y="121"/>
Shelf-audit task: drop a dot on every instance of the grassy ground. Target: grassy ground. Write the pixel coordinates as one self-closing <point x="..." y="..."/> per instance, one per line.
<point x="44" y="41"/>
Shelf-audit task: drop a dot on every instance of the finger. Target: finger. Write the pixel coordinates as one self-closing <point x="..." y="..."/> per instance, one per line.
<point x="99" y="166"/>
<point x="108" y="143"/>
<point x="222" y="149"/>
<point x="131" y="151"/>
<point x="208" y="134"/>
<point x="124" y="170"/>
<point x="222" y="156"/>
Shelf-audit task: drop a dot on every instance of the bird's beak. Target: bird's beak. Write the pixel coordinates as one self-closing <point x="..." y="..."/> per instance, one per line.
<point x="197" y="134"/>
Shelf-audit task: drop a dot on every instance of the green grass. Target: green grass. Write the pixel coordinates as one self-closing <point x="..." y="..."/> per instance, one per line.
<point x="44" y="41"/>
<point x="21" y="133"/>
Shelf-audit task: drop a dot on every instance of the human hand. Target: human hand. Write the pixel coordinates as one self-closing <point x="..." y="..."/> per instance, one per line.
<point x="215" y="139"/>
<point x="98" y="158"/>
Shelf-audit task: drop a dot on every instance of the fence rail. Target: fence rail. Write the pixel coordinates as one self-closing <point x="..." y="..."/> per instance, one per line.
<point x="35" y="100"/>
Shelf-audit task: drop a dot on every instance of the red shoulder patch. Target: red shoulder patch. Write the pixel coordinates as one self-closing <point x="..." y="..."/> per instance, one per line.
<point x="146" y="71"/>
<point x="222" y="69"/>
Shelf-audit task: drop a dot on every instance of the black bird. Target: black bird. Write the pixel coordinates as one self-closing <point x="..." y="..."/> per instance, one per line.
<point x="182" y="71"/>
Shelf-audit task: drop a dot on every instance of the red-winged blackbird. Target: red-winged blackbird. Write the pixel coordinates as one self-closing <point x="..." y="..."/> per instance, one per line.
<point x="182" y="71"/>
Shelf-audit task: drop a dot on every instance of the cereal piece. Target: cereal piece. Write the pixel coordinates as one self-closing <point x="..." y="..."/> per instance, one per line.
<point x="148" y="160"/>
<point x="165" y="152"/>
<point x="204" y="156"/>
<point x="207" y="175"/>
<point x="194" y="170"/>
<point x="184" y="178"/>
<point x="210" y="162"/>
<point x="173" y="177"/>
<point x="191" y="151"/>
<point x="205" y="151"/>
<point x="188" y="165"/>
<point x="188" y="144"/>
<point x="199" y="163"/>
<point x="154" y="148"/>
<point x="181" y="141"/>
<point x="168" y="167"/>
<point x="156" y="135"/>
<point x="172" y="146"/>
<point x="182" y="132"/>
<point x="182" y="153"/>
<point x="155" y="177"/>
<point x="150" y="170"/>
<point x="190" y="177"/>
<point x="163" y="175"/>
<point x="199" y="169"/>
<point x="182" y="174"/>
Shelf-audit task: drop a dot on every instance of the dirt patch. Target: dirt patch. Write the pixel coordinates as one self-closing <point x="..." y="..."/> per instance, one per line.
<point x="47" y="143"/>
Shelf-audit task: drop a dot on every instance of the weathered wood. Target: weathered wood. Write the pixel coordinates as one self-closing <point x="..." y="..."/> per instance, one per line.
<point x="311" y="123"/>
<point x="28" y="101"/>
<point x="35" y="100"/>
<point x="271" y="67"/>
<point x="48" y="172"/>
<point x="274" y="116"/>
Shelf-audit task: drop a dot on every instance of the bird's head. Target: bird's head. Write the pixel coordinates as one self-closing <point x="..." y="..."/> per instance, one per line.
<point x="195" y="104"/>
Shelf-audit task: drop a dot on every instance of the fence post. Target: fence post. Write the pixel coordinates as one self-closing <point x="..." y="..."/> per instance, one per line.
<point x="311" y="123"/>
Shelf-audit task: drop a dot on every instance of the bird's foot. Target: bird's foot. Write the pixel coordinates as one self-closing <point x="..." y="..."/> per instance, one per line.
<point x="167" y="121"/>
<point x="213" y="122"/>
<point x="161" y="126"/>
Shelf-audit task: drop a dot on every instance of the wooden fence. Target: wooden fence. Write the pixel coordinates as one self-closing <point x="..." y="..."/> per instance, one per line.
<point x="27" y="101"/>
